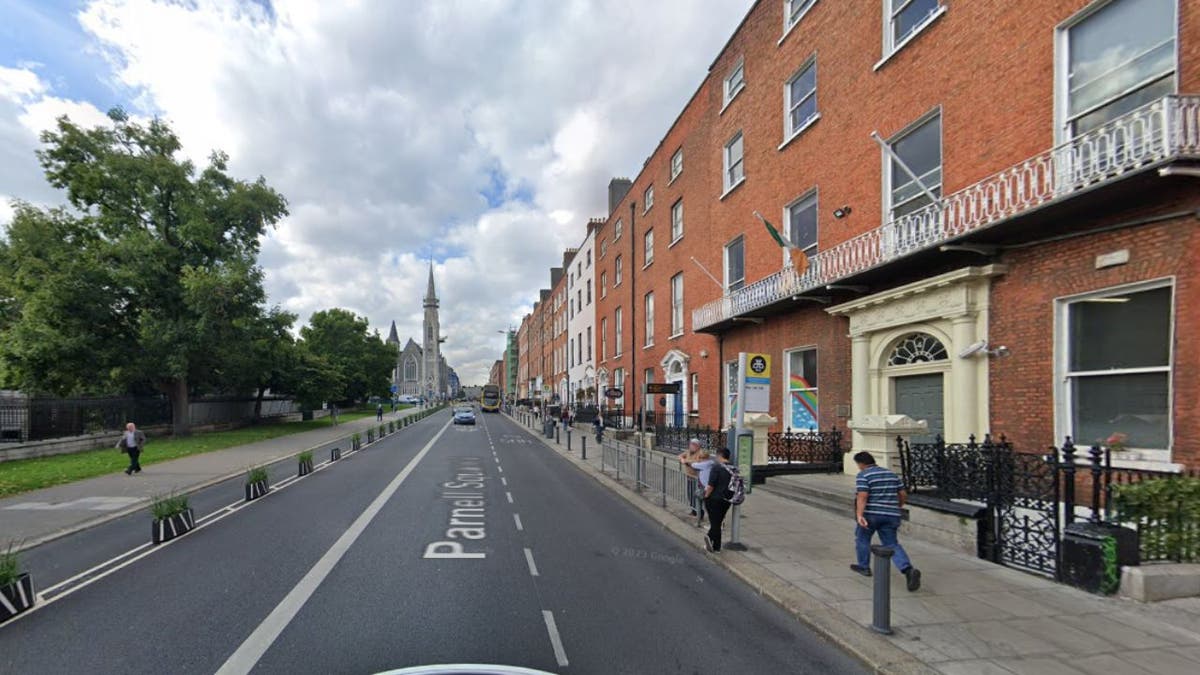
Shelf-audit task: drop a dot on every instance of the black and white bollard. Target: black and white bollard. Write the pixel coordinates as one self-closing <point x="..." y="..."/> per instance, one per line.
<point x="881" y="601"/>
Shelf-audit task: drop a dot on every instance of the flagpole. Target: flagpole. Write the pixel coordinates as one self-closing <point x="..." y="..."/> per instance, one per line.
<point x="896" y="158"/>
<point x="708" y="274"/>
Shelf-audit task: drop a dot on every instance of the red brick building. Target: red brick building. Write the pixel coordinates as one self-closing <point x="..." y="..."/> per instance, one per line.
<point x="997" y="201"/>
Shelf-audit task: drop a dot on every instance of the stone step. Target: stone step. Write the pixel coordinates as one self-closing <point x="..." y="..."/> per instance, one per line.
<point x="833" y="498"/>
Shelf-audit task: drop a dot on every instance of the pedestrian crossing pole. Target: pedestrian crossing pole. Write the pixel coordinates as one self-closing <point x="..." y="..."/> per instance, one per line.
<point x="735" y="541"/>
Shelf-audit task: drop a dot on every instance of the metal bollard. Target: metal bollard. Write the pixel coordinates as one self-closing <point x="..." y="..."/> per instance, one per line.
<point x="568" y="439"/>
<point x="881" y="603"/>
<point x="584" y="449"/>
<point x="557" y="434"/>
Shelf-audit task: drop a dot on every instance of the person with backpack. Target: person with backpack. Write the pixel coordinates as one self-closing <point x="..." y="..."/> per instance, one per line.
<point x="880" y="496"/>
<point x="724" y="489"/>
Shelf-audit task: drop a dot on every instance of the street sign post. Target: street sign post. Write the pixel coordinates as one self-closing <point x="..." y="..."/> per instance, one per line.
<point x="613" y="393"/>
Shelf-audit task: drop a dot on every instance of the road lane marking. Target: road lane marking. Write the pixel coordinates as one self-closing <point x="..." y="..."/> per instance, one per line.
<point x="517" y="518"/>
<point x="559" y="653"/>
<point x="503" y="481"/>
<point x="500" y="468"/>
<point x="509" y="496"/>
<point x="529" y="559"/>
<point x="248" y="654"/>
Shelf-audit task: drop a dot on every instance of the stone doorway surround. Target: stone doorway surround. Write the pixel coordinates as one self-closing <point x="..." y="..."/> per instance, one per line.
<point x="951" y="307"/>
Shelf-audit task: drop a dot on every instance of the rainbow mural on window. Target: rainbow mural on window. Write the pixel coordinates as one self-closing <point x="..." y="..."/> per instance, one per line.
<point x="804" y="404"/>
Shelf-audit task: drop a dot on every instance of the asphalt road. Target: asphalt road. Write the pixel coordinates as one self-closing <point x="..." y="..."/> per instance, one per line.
<point x="339" y="573"/>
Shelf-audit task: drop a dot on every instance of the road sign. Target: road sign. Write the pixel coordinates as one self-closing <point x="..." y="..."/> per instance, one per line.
<point x="662" y="388"/>
<point x="613" y="392"/>
<point x="758" y="383"/>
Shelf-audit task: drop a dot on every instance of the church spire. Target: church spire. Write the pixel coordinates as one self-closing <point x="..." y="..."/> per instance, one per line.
<point x="393" y="337"/>
<point x="430" y="295"/>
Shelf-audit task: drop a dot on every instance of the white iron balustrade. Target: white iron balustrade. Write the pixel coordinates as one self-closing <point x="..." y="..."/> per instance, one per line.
<point x="1168" y="128"/>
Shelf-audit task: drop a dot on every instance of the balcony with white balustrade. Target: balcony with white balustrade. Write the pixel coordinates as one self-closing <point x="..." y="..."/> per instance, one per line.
<point x="1015" y="203"/>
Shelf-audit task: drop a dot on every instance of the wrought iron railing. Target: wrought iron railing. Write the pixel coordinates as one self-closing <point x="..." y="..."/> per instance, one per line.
<point x="659" y="477"/>
<point x="952" y="470"/>
<point x="805" y="447"/>
<point x="677" y="438"/>
<point x="1164" y="129"/>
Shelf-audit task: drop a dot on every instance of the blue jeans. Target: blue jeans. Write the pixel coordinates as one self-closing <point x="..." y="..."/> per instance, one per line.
<point x="886" y="526"/>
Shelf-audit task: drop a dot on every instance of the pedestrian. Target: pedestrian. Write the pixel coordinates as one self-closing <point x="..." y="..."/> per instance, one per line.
<point x="598" y="428"/>
<point x="716" y="499"/>
<point x="879" y="497"/>
<point x="333" y="412"/>
<point x="379" y="413"/>
<point x="131" y="443"/>
<point x="697" y="464"/>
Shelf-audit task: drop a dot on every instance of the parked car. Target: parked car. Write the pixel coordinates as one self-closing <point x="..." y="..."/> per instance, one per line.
<point x="464" y="415"/>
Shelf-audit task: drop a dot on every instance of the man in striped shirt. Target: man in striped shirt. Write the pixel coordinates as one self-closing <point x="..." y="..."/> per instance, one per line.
<point x="880" y="496"/>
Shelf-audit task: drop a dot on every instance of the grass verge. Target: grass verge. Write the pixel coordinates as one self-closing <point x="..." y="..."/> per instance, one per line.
<point x="23" y="475"/>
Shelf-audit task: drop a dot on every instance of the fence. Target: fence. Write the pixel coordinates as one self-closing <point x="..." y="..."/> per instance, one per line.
<point x="1031" y="498"/>
<point x="614" y="417"/>
<point x="809" y="448"/>
<point x="655" y="473"/>
<point x="25" y="419"/>
<point x="677" y="438"/>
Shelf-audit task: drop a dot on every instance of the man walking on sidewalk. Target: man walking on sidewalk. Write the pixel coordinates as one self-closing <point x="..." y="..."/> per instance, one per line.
<point x="880" y="496"/>
<point x="131" y="443"/>
<point x="715" y="501"/>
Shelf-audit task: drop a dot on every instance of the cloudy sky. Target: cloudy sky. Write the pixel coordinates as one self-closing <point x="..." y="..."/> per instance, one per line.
<point x="481" y="133"/>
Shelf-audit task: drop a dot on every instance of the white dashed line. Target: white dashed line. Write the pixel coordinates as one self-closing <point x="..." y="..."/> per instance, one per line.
<point x="509" y="495"/>
<point x="503" y="481"/>
<point x="517" y="519"/>
<point x="529" y="559"/>
<point x="559" y="653"/>
<point x="500" y="468"/>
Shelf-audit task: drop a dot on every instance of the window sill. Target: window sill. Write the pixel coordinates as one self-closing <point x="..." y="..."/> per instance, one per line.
<point x="648" y="264"/>
<point x="649" y="346"/>
<point x="674" y="178"/>
<point x="731" y="99"/>
<point x="674" y="241"/>
<point x="803" y="127"/>
<point x="731" y="188"/>
<point x="911" y="36"/>
<point x="675" y="336"/>
<point x="788" y="31"/>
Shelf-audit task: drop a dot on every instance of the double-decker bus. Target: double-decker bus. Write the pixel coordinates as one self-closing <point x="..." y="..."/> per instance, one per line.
<point x="489" y="401"/>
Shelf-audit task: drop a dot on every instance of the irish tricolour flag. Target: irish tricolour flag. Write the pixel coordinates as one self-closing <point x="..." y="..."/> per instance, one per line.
<point x="799" y="259"/>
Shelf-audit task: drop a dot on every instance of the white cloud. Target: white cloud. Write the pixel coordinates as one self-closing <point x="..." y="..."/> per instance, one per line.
<point x="384" y="123"/>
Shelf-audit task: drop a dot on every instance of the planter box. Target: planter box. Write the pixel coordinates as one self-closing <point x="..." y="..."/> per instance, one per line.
<point x="173" y="526"/>
<point x="391" y="427"/>
<point x="257" y="489"/>
<point x="355" y="444"/>
<point x="306" y="467"/>
<point x="16" y="597"/>
<point x="335" y="454"/>
<point x="370" y="435"/>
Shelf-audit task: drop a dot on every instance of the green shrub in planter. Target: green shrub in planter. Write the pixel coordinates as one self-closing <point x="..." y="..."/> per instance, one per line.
<point x="370" y="436"/>
<point x="355" y="441"/>
<point x="381" y="431"/>
<point x="1166" y="513"/>
<point x="257" y="483"/>
<point x="172" y="517"/>
<point x="306" y="462"/>
<point x="16" y="587"/>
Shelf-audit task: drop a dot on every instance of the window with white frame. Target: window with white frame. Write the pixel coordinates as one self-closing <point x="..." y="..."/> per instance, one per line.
<point x="920" y="148"/>
<point x="677" y="220"/>
<point x="734" y="171"/>
<point x="906" y="18"/>
<point x="589" y="291"/>
<point x="603" y="248"/>
<point x="589" y="258"/>
<point x="648" y="198"/>
<point x="801" y="404"/>
<point x="735" y="81"/>
<point x="648" y="378"/>
<point x="735" y="264"/>
<point x="648" y="245"/>
<point x="676" y="164"/>
<point x="1116" y="369"/>
<point x="618" y="227"/>
<point x="604" y="284"/>
<point x="603" y="338"/>
<point x="1112" y="58"/>
<point x="618" y="330"/>
<point x="802" y="224"/>
<point x="617" y="271"/>
<point x="570" y="352"/>
<point x="649" y="313"/>
<point x="695" y="391"/>
<point x="800" y="96"/>
<point x="677" y="304"/>
<point x="794" y="10"/>
<point x="589" y="343"/>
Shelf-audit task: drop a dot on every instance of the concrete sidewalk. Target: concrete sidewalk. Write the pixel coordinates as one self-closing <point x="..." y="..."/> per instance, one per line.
<point x="970" y="616"/>
<point x="35" y="517"/>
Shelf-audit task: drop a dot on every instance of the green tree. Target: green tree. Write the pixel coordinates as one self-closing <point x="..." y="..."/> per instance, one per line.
<point x="345" y="341"/>
<point x="151" y="279"/>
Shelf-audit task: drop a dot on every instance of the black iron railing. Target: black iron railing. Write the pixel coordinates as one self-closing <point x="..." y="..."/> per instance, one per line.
<point x="952" y="470"/>
<point x="677" y="438"/>
<point x="614" y="417"/>
<point x="805" y="447"/>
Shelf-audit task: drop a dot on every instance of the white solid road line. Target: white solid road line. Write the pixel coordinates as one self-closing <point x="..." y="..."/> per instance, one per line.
<point x="248" y="654"/>
<point x="529" y="559"/>
<point x="517" y="518"/>
<point x="560" y="654"/>
<point x="509" y="496"/>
